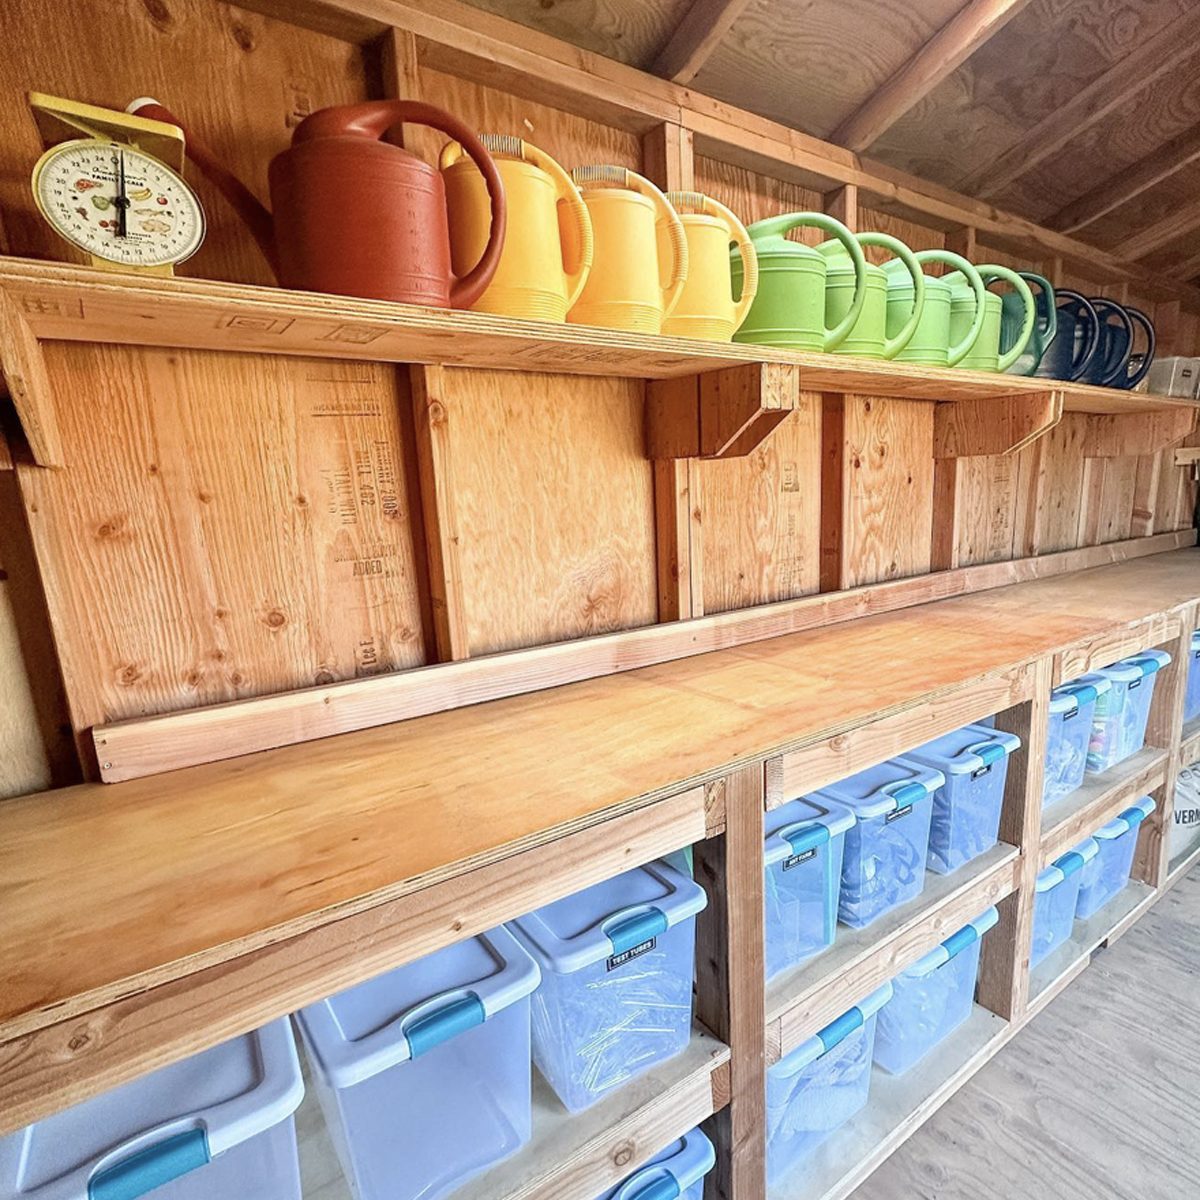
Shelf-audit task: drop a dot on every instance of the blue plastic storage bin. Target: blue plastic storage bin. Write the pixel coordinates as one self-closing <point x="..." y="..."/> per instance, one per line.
<point x="932" y="998"/>
<point x="1056" y="892"/>
<point x="820" y="1085"/>
<point x="966" y="809"/>
<point x="883" y="861"/>
<point x="616" y="991"/>
<point x="1119" y="718"/>
<point x="803" y="856"/>
<point x="1068" y="731"/>
<point x="423" y="1073"/>
<point x="218" y="1124"/>
<point x="1108" y="873"/>
<point x="1191" y="701"/>
<point x="677" y="1173"/>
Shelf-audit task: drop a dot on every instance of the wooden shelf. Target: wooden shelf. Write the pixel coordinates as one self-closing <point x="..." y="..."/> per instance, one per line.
<point x="898" y="1105"/>
<point x="1098" y="799"/>
<point x="1189" y="743"/>
<point x="801" y="1001"/>
<point x="570" y="1156"/>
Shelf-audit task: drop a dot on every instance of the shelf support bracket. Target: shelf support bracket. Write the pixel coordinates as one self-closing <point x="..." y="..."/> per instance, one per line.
<point x="977" y="428"/>
<point x="24" y="370"/>
<point x="1121" y="435"/>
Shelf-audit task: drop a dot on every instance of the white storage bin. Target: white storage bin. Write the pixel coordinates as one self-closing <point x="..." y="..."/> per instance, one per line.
<point x="1119" y="718"/>
<point x="677" y="1173"/>
<point x="1108" y="873"/>
<point x="966" y="809"/>
<point x="820" y="1085"/>
<point x="1056" y="892"/>
<point x="423" y="1073"/>
<point x="1175" y="375"/>
<point x="214" y="1126"/>
<point x="1191" y="700"/>
<point x="932" y="998"/>
<point x="1068" y="732"/>
<point x="617" y="969"/>
<point x="803" y="856"/>
<point x="883" y="862"/>
<point x="1185" y="832"/>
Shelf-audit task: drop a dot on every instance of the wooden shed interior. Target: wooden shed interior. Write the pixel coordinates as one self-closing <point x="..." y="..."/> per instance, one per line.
<point x="334" y="631"/>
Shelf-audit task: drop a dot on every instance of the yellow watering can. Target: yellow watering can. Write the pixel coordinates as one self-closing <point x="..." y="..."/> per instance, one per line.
<point x="707" y="309"/>
<point x="547" y="251"/>
<point x="631" y="286"/>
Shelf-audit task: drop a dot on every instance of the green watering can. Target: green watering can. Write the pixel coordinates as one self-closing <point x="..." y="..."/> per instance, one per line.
<point x="985" y="354"/>
<point x="789" y="308"/>
<point x="870" y="337"/>
<point x="931" y="344"/>
<point x="1045" y="325"/>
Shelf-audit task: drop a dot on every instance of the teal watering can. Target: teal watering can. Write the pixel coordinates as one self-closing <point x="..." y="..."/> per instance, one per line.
<point x="1045" y="326"/>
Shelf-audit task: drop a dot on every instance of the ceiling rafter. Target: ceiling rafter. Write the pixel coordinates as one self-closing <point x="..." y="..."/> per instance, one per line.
<point x="1170" y="158"/>
<point x="1188" y="269"/>
<point x="939" y="58"/>
<point x="1162" y="233"/>
<point x="697" y="35"/>
<point x="1154" y="58"/>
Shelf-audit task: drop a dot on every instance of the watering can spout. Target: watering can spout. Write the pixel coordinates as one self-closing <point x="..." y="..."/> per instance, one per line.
<point x="245" y="203"/>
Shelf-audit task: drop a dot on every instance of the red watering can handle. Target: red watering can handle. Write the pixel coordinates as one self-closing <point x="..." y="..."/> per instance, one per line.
<point x="374" y="119"/>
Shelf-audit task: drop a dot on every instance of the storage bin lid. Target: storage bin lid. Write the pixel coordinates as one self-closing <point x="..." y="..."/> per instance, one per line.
<point x="833" y="1034"/>
<point x="410" y="1010"/>
<point x="892" y="785"/>
<point x="1068" y="864"/>
<point x="955" y="944"/>
<point x="971" y="750"/>
<point x="1131" y="818"/>
<point x="610" y="920"/>
<point x="669" y="1173"/>
<point x="1070" y="697"/>
<point x="800" y="826"/>
<point x="1137" y="666"/>
<point x="124" y="1143"/>
<point x="1196" y="641"/>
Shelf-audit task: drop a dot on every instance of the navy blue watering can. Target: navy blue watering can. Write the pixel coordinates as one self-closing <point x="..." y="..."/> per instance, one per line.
<point x="1072" y="350"/>
<point x="1115" y="364"/>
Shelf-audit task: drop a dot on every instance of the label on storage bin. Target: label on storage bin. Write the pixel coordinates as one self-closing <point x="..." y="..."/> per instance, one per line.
<point x="895" y="816"/>
<point x="981" y="771"/>
<point x="797" y="859"/>
<point x="619" y="960"/>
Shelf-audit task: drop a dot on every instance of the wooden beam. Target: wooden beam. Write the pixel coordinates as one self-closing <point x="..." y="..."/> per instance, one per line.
<point x="697" y="35"/>
<point x="1187" y="269"/>
<point x="1170" y="158"/>
<point x="943" y="54"/>
<point x="1154" y="58"/>
<point x="1176" y="224"/>
<point x="974" y="428"/>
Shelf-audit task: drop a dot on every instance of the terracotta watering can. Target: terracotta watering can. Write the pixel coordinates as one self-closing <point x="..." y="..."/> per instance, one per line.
<point x="984" y="354"/>
<point x="547" y="251"/>
<point x="931" y="344"/>
<point x="1114" y="364"/>
<point x="1073" y="348"/>
<point x="707" y="308"/>
<point x="357" y="215"/>
<point x="1045" y="326"/>
<point x="869" y="337"/>
<point x="631" y="286"/>
<point x="789" y="309"/>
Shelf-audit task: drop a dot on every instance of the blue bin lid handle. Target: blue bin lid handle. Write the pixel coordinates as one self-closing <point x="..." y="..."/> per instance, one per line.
<point x="991" y="752"/>
<point x="795" y="838"/>
<point x="629" y="927"/>
<point x="671" y="1176"/>
<point x="127" y="1176"/>
<point x="1138" y="812"/>
<point x="438" y="1019"/>
<point x="906" y="792"/>
<point x="1082" y="693"/>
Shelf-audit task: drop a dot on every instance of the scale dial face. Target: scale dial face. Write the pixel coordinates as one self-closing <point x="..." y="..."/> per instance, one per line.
<point x="82" y="186"/>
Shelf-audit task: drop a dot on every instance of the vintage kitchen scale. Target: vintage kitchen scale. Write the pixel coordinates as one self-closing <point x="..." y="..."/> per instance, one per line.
<point x="116" y="192"/>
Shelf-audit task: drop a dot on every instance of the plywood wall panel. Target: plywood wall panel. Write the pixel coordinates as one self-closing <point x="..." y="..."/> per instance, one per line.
<point x="240" y="80"/>
<point x="1059" y="485"/>
<point x="555" y="506"/>
<point x="24" y="763"/>
<point x="755" y="197"/>
<point x="987" y="508"/>
<point x="229" y="525"/>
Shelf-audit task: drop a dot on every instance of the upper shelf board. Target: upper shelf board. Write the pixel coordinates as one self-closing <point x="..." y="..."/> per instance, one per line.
<point x="72" y="303"/>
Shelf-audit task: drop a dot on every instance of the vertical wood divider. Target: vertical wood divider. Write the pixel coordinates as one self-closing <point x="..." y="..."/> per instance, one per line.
<point x="842" y="205"/>
<point x="834" y="510"/>
<point x="731" y="991"/>
<point x="944" y="555"/>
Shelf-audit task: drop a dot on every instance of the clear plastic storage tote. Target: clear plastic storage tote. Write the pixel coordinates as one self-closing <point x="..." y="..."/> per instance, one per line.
<point x="883" y="863"/>
<point x="1191" y="702"/>
<point x="932" y="998"/>
<point x="677" y="1173"/>
<point x="966" y="808"/>
<point x="1119" y="719"/>
<point x="423" y="1073"/>
<point x="820" y="1085"/>
<point x="1055" y="895"/>
<point x="216" y="1125"/>
<point x="616" y="991"/>
<point x="1068" y="731"/>
<point x="803" y="856"/>
<point x="1108" y="873"/>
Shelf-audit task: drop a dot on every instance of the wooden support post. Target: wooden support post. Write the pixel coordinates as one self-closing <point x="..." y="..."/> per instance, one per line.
<point x="962" y="241"/>
<point x="668" y="159"/>
<point x="680" y="553"/>
<point x="947" y="489"/>
<point x="730" y="996"/>
<point x="842" y="205"/>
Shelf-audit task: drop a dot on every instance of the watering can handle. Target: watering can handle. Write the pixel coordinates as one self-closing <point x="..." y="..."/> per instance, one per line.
<point x="373" y="119"/>
<point x="961" y="349"/>
<point x="893" y="345"/>
<point x="991" y="271"/>
<point x="672" y="289"/>
<point x="1091" y="342"/>
<point x="1139" y="318"/>
<point x="740" y="237"/>
<point x="1050" y="324"/>
<point x="1104" y="309"/>
<point x="578" y="246"/>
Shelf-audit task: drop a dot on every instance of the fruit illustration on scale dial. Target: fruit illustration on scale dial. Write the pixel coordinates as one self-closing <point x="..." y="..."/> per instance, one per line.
<point x="117" y="192"/>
